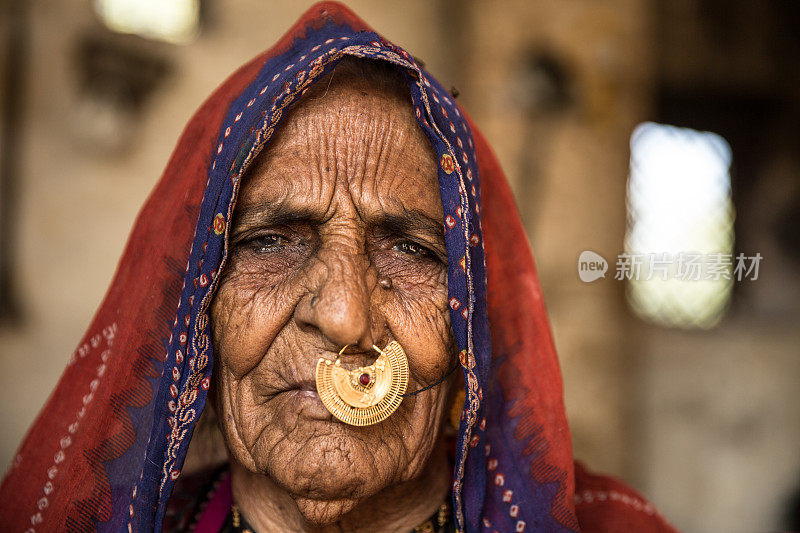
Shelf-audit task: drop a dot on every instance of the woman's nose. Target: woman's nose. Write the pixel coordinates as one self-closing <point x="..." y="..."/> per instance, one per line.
<point x="339" y="304"/>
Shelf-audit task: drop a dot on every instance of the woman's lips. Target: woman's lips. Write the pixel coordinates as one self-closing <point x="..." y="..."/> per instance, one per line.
<point x="305" y="399"/>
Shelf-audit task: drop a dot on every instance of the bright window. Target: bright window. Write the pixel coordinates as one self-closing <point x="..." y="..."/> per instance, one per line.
<point x="680" y="226"/>
<point x="175" y="21"/>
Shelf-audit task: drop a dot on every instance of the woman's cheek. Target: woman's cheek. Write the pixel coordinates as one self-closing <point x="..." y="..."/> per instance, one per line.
<point x="246" y="314"/>
<point x="419" y="317"/>
<point x="415" y="278"/>
<point x="424" y="295"/>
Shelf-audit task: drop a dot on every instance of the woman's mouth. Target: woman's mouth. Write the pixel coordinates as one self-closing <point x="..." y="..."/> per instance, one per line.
<point x="304" y="399"/>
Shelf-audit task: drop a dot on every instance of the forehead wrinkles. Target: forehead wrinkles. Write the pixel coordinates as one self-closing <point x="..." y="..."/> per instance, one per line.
<point x="354" y="151"/>
<point x="363" y="148"/>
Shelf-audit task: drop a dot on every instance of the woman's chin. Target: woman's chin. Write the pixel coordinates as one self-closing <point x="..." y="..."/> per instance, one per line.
<point x="331" y="465"/>
<point x="321" y="513"/>
<point x="330" y="487"/>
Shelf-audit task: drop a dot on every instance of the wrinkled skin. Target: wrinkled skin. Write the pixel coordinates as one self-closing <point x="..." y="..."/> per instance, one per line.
<point x="344" y="198"/>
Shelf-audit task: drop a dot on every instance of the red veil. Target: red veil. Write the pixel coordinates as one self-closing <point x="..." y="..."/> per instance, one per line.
<point x="109" y="444"/>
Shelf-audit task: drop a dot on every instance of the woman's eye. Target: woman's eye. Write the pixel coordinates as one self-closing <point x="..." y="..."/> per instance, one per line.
<point x="412" y="248"/>
<point x="268" y="243"/>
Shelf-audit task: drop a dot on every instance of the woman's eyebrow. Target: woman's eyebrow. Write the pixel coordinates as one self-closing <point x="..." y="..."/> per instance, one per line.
<point x="411" y="222"/>
<point x="408" y="222"/>
<point x="277" y="214"/>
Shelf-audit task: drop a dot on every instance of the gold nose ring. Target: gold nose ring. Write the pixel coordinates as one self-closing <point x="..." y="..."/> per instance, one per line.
<point x="368" y="394"/>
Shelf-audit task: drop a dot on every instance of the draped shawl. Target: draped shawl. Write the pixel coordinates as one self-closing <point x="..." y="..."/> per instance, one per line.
<point x="109" y="445"/>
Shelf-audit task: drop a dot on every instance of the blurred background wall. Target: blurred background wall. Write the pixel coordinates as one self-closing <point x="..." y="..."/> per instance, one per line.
<point x="705" y="420"/>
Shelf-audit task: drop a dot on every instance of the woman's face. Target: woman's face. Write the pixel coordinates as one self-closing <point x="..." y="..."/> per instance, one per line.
<point x="345" y="198"/>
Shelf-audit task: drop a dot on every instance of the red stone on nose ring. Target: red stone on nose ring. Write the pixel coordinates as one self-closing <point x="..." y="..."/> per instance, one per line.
<point x="364" y="379"/>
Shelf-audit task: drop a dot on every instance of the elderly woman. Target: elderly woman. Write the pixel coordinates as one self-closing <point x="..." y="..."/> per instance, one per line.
<point x="348" y="270"/>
